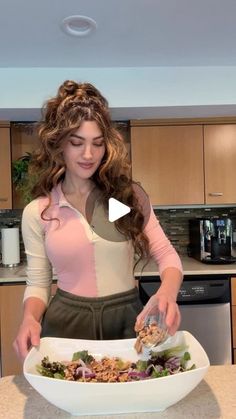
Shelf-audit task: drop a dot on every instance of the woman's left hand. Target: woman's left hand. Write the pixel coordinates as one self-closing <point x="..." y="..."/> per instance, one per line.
<point x="165" y="303"/>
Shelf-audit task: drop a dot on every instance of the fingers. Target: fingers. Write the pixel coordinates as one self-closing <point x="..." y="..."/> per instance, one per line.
<point x="35" y="338"/>
<point x="139" y="321"/>
<point x="27" y="337"/>
<point x="21" y="347"/>
<point x="173" y="319"/>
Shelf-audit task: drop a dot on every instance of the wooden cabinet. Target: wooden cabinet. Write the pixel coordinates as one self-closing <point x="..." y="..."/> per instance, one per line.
<point x="233" y="302"/>
<point x="220" y="163"/>
<point x="185" y="164"/>
<point x="168" y="161"/>
<point x="11" y="297"/>
<point x="11" y="311"/>
<point x="5" y="167"/>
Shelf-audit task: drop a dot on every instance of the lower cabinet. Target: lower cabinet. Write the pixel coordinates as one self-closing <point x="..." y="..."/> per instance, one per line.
<point x="11" y="311"/>
<point x="233" y="300"/>
<point x="11" y="297"/>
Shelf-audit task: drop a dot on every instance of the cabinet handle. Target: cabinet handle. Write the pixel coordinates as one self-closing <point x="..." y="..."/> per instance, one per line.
<point x="216" y="193"/>
<point x="3" y="199"/>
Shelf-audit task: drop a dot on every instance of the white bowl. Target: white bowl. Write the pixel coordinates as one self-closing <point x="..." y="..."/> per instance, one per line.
<point x="80" y="398"/>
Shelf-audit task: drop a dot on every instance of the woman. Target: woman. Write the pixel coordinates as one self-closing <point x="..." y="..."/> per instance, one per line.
<point x="81" y="163"/>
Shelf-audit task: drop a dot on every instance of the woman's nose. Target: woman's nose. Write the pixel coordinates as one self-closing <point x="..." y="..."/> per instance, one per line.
<point x="87" y="154"/>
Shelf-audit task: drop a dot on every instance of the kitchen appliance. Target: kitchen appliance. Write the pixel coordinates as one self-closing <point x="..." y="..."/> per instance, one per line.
<point x="211" y="240"/>
<point x="204" y="303"/>
<point x="10" y="245"/>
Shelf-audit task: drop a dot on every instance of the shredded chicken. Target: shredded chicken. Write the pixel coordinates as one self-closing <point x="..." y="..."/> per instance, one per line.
<point x="149" y="335"/>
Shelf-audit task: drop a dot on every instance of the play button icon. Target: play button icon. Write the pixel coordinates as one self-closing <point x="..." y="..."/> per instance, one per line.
<point x="116" y="209"/>
<point x="100" y="216"/>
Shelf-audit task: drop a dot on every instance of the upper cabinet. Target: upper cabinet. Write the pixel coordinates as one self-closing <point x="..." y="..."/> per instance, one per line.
<point x="5" y="166"/>
<point x="185" y="164"/>
<point x="220" y="163"/>
<point x="168" y="161"/>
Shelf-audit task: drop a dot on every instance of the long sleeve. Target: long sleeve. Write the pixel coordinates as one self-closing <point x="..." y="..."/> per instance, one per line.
<point x="39" y="270"/>
<point x="160" y="247"/>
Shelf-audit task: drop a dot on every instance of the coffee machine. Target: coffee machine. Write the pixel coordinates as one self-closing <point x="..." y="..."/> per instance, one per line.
<point x="211" y="240"/>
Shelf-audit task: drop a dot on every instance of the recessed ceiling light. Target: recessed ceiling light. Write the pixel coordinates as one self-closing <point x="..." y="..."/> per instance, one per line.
<point x="78" y="25"/>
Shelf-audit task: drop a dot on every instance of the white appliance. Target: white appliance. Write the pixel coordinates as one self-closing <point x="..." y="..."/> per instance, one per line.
<point x="10" y="246"/>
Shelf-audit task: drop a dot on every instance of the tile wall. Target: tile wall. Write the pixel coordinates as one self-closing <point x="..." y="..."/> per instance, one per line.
<point x="173" y="221"/>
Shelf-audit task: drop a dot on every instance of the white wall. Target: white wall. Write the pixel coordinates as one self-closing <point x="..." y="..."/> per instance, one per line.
<point x="132" y="92"/>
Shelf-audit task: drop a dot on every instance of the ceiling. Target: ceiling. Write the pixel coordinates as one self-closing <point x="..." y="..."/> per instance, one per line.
<point x="130" y="33"/>
<point x="141" y="34"/>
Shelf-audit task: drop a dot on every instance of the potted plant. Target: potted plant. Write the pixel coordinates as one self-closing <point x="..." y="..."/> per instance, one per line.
<point x="21" y="178"/>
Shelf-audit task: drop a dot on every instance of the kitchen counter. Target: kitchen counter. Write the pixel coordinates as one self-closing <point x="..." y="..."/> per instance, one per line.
<point x="214" y="397"/>
<point x="16" y="274"/>
<point x="190" y="266"/>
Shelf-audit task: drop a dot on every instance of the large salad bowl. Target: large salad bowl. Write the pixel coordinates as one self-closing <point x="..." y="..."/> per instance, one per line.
<point x="89" y="398"/>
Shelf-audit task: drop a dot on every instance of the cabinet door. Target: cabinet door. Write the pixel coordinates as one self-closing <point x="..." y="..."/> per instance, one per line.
<point x="5" y="167"/>
<point x="168" y="161"/>
<point x="11" y="312"/>
<point x="11" y="297"/>
<point x="220" y="163"/>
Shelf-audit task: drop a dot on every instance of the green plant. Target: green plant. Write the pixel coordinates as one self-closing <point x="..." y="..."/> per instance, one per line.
<point x="20" y="176"/>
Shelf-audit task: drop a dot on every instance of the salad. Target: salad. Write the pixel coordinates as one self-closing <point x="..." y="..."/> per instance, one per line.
<point x="85" y="368"/>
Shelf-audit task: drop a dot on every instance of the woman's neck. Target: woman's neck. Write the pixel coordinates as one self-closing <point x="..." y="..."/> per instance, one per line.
<point x="79" y="187"/>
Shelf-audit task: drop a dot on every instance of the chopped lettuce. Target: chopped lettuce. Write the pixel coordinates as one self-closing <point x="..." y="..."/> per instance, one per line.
<point x="141" y="365"/>
<point x="157" y="374"/>
<point x="83" y="355"/>
<point x="121" y="364"/>
<point x="174" y="351"/>
<point x="51" y="369"/>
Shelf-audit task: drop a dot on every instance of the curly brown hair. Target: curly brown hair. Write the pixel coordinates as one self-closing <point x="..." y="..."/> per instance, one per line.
<point x="64" y="113"/>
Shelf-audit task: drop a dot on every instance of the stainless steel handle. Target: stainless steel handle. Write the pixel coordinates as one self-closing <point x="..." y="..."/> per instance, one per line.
<point x="216" y="193"/>
<point x="3" y="199"/>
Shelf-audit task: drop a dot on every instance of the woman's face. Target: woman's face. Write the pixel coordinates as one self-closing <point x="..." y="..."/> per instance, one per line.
<point x="83" y="150"/>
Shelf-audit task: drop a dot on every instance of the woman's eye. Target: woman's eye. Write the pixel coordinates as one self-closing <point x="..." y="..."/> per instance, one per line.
<point x="76" y="144"/>
<point x="98" y="144"/>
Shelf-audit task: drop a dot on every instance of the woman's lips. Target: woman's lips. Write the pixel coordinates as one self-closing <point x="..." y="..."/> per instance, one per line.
<point x="86" y="165"/>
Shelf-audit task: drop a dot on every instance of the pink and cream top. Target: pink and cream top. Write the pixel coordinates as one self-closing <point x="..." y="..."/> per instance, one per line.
<point x="84" y="262"/>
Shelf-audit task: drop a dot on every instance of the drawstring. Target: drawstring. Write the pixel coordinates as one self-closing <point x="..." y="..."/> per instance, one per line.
<point x="93" y="310"/>
<point x="94" y="321"/>
<point x="100" y="320"/>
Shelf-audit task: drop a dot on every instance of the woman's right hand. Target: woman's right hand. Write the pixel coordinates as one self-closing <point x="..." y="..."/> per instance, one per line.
<point x="28" y="336"/>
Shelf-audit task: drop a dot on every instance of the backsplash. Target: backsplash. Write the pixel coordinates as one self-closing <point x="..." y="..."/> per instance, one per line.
<point x="173" y="221"/>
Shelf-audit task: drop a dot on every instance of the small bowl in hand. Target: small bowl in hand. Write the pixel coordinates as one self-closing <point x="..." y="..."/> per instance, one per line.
<point x="153" y="332"/>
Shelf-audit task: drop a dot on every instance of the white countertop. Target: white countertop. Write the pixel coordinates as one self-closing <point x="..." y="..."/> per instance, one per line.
<point x="11" y="275"/>
<point x="190" y="266"/>
<point x="214" y="397"/>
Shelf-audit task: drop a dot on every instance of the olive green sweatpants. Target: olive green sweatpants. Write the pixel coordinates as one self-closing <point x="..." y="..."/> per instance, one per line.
<point x="110" y="317"/>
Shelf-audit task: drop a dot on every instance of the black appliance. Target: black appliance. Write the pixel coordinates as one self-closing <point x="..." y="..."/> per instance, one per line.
<point x="204" y="303"/>
<point x="211" y="240"/>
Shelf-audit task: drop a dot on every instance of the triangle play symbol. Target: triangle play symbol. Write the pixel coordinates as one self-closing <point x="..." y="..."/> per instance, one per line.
<point x="116" y="209"/>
